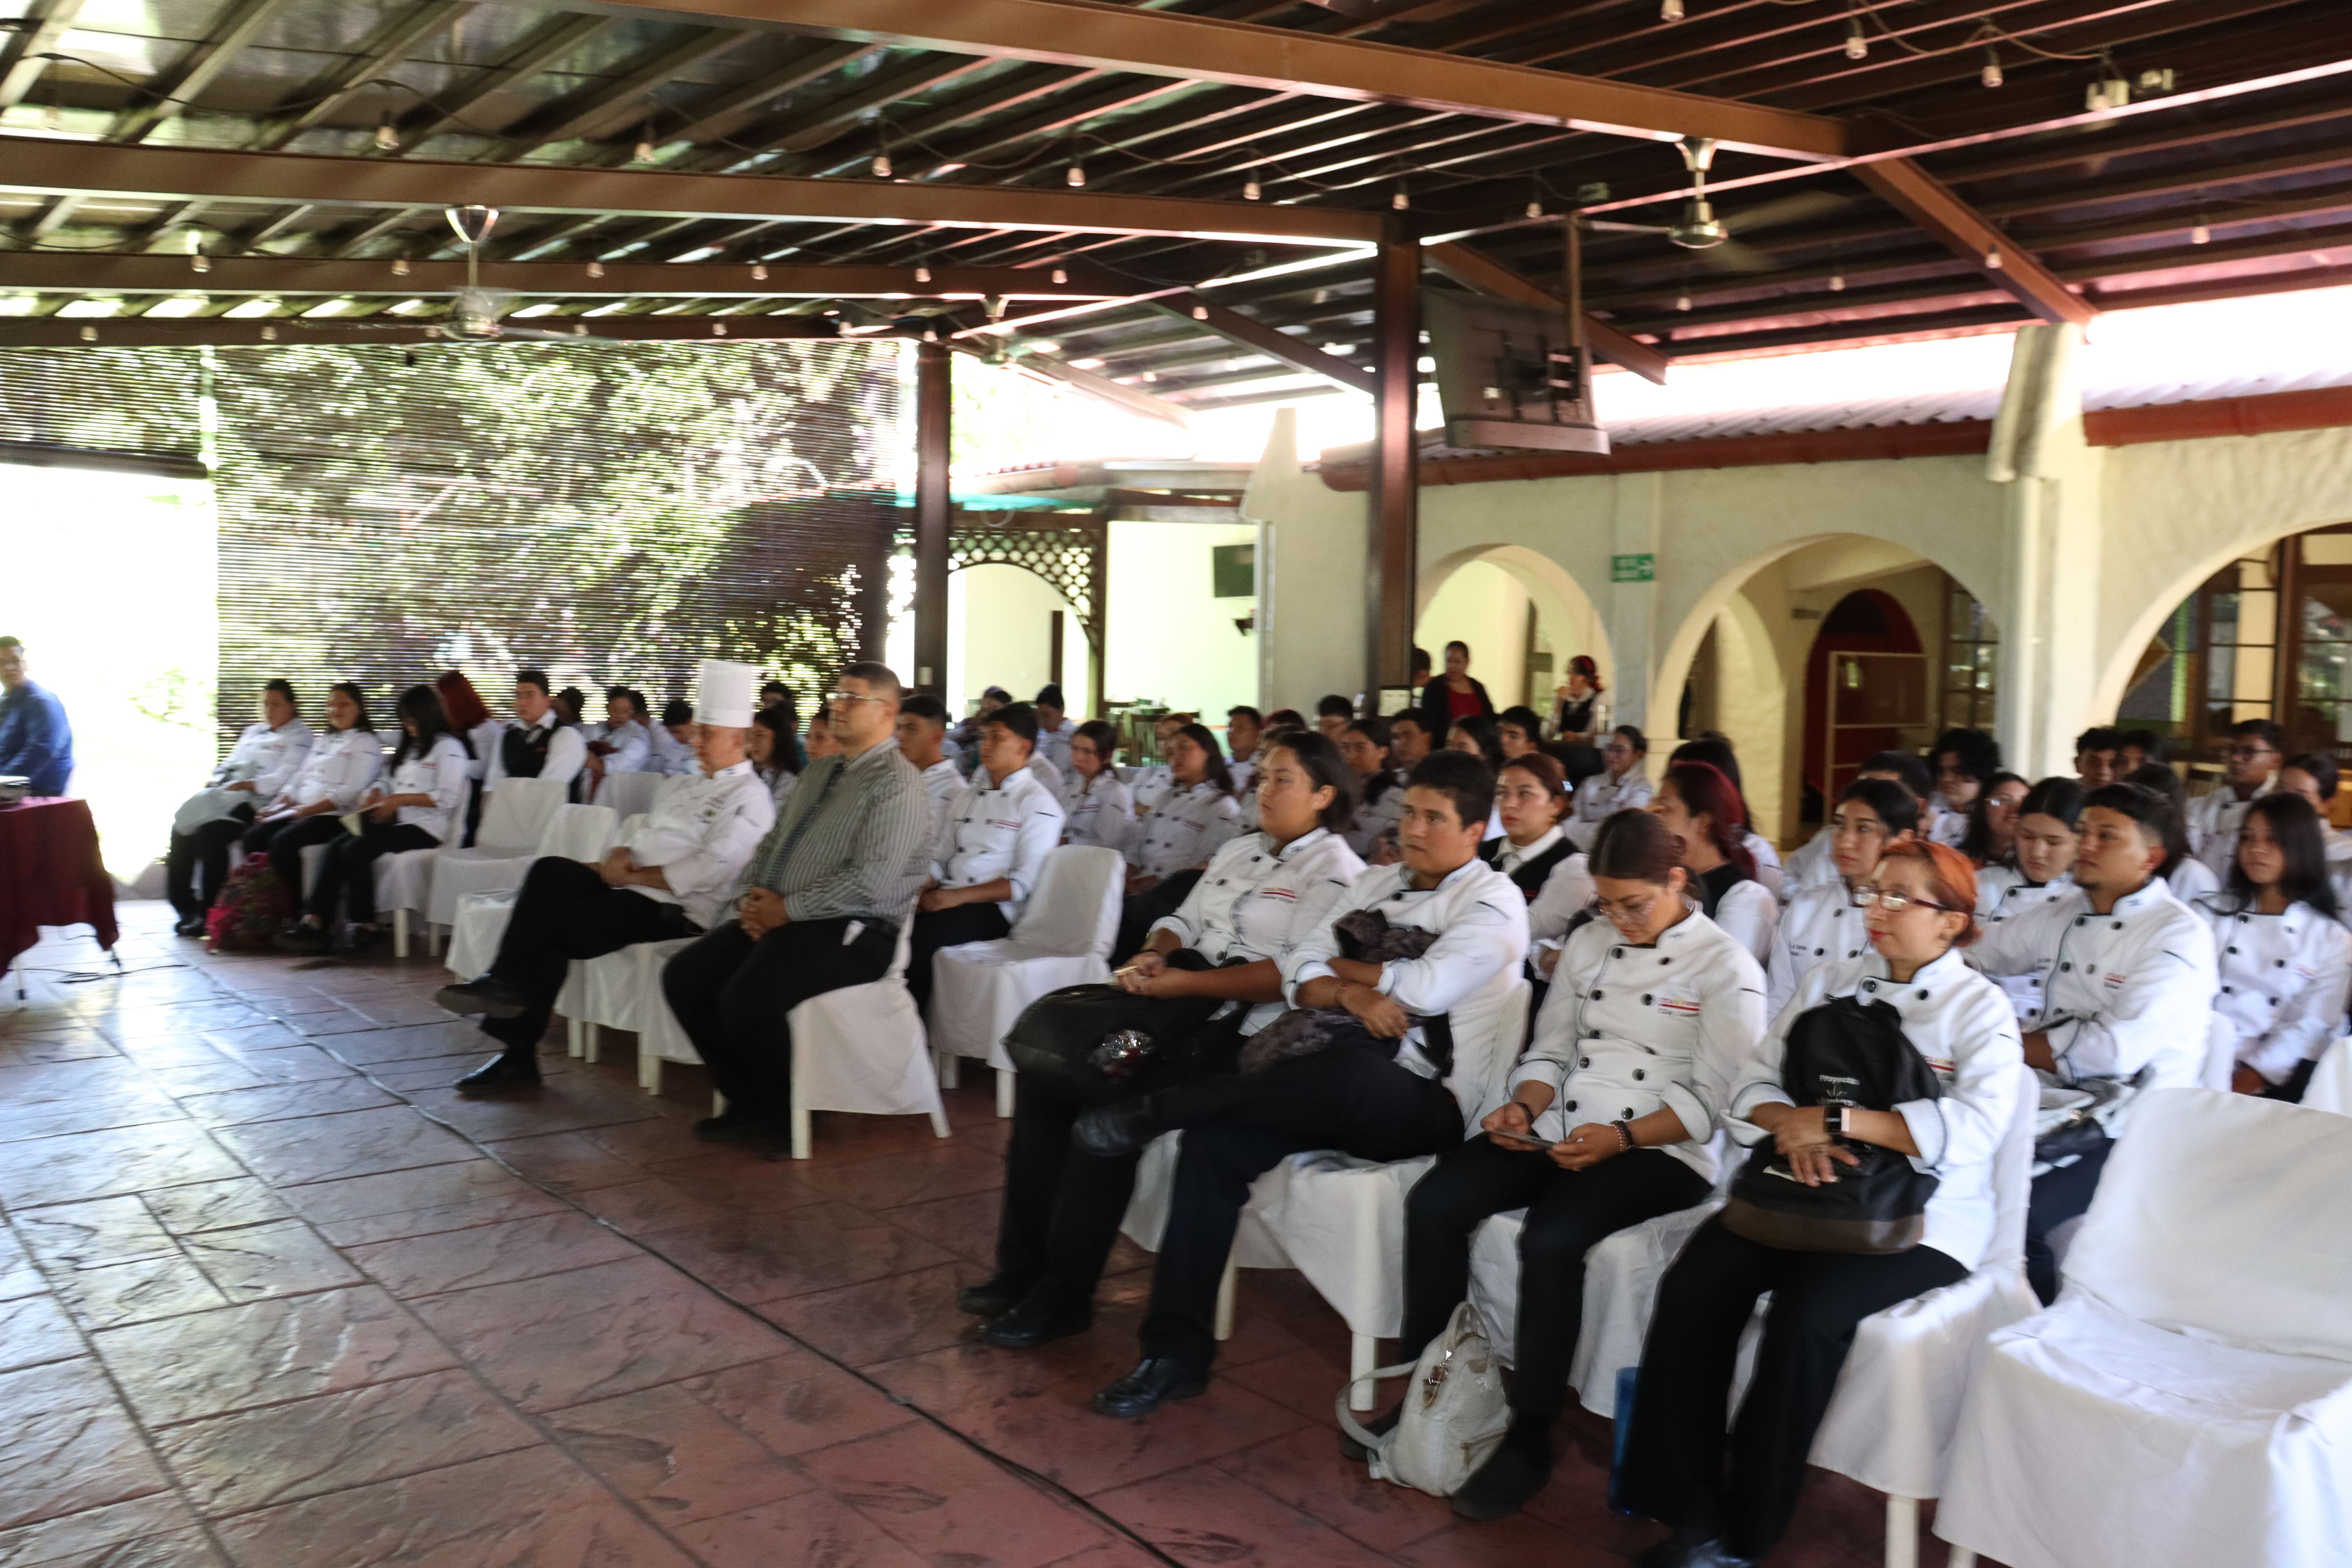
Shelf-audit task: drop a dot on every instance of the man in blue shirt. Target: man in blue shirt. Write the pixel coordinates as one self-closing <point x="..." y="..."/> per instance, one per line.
<point x="35" y="741"/>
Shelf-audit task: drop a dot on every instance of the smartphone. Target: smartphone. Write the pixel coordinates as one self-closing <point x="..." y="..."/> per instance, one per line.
<point x="1523" y="1139"/>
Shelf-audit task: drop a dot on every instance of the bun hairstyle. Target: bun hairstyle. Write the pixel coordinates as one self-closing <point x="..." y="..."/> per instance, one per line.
<point x="1951" y="881"/>
<point x="1635" y="847"/>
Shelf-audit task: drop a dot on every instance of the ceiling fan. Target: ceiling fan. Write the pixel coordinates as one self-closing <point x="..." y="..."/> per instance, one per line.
<point x="1699" y="229"/>
<point x="474" y="310"/>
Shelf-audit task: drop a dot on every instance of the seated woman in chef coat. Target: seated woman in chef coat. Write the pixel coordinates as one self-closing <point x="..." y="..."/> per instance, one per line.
<point x="2286" y="961"/>
<point x="268" y="753"/>
<point x="2041" y="863"/>
<point x="1716" y="752"/>
<point x="1621" y="785"/>
<point x="1703" y="809"/>
<point x="341" y="764"/>
<point x="2314" y="776"/>
<point x="1654" y="1010"/>
<point x="1812" y="865"/>
<point x="1096" y="808"/>
<point x="1820" y="924"/>
<point x="1991" y="836"/>
<point x="1366" y="744"/>
<point x="1531" y="798"/>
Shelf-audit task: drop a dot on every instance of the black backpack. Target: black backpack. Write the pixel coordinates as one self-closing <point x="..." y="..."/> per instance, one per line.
<point x="1843" y="1052"/>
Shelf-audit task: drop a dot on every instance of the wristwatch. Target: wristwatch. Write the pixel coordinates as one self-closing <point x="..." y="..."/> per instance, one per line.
<point x="1845" y="1122"/>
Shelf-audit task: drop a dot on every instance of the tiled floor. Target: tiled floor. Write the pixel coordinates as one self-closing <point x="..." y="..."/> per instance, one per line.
<point x="271" y="1294"/>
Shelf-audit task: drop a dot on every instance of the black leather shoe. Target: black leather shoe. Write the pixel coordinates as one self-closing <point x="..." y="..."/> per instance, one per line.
<point x="992" y="1298"/>
<point x="1119" y="1129"/>
<point x="1511" y="1476"/>
<point x="732" y="1127"/>
<point x="485" y="994"/>
<point x="303" y="939"/>
<point x="511" y="1070"/>
<point x="1153" y="1384"/>
<point x="188" y="925"/>
<point x="1692" y="1549"/>
<point x="1042" y="1318"/>
<point x="1379" y="1426"/>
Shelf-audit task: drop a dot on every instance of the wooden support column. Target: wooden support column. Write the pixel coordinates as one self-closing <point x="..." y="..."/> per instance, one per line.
<point x="933" y="388"/>
<point x="1395" y="492"/>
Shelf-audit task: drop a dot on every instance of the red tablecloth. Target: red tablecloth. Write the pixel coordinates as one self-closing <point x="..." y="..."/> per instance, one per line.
<point x="50" y="874"/>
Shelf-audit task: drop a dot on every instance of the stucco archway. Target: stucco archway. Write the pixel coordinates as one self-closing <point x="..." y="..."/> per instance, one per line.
<point x="1560" y="599"/>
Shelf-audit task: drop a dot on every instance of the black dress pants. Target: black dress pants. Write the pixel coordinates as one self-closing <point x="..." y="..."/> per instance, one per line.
<point x="347" y="871"/>
<point x="2058" y="1197"/>
<point x="732" y="994"/>
<point x="284" y="838"/>
<point x="1569" y="1213"/>
<point x="1349" y="1098"/>
<point x="1163" y="898"/>
<point x="1676" y="1453"/>
<point x="206" y="849"/>
<point x="1063" y="1206"/>
<point x="566" y="912"/>
<point x="947" y="928"/>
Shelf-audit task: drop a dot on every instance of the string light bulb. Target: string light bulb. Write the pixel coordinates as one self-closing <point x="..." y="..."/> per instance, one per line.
<point x="1074" y="176"/>
<point x="1251" y="189"/>
<point x="1992" y="259"/>
<point x="1683" y="301"/>
<point x="881" y="165"/>
<point x="717" y="329"/>
<point x="268" y="334"/>
<point x="1401" y="200"/>
<point x="1061" y="275"/>
<point x="1857" y="47"/>
<point x="1200" y="312"/>
<point x="387" y="139"/>
<point x="2200" y="234"/>
<point x="1535" y="209"/>
<point x="1990" y="76"/>
<point x="89" y="334"/>
<point x="200" y="262"/>
<point x="1670" y="10"/>
<point x="759" y="272"/>
<point x="1837" y="282"/>
<point x="644" y="149"/>
<point x="922" y="273"/>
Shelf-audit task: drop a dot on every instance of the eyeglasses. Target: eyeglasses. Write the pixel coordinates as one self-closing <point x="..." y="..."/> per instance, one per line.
<point x="1895" y="903"/>
<point x="1605" y="909"/>
<point x="844" y="699"/>
<point x="2248" y="753"/>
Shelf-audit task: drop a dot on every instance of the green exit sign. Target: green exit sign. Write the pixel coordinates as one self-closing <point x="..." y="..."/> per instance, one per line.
<point x="1632" y="568"/>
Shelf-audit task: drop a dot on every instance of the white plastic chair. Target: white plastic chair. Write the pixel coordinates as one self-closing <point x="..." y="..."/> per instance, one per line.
<point x="2331" y="1081"/>
<point x="862" y="1048"/>
<point x="1064" y="937"/>
<point x="581" y="833"/>
<point x="660" y="1037"/>
<point x="629" y="794"/>
<point x="519" y="813"/>
<point x="2188" y="1397"/>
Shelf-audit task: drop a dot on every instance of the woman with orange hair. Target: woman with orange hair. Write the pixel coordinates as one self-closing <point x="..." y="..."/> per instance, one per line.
<point x="469" y="718"/>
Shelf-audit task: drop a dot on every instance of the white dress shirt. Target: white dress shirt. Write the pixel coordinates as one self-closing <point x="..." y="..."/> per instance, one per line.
<point x="1100" y="811"/>
<point x="2284" y="981"/>
<point x="2215" y="819"/>
<point x="483" y="740"/>
<point x="999" y="830"/>
<point x="1255" y="902"/>
<point x="1185" y="831"/>
<point x="567" y="754"/>
<point x="1482" y="925"/>
<point x="1627" y="1030"/>
<point x="2128" y="990"/>
<point x="632" y="748"/>
<point x="944" y="783"/>
<point x="439" y="773"/>
<point x="1054" y="744"/>
<point x="267" y="758"/>
<point x="1820" y="926"/>
<point x="1601" y="796"/>
<point x="340" y="767"/>
<point x="1959" y="1022"/>
<point x="700" y="833"/>
<point x="1567" y="886"/>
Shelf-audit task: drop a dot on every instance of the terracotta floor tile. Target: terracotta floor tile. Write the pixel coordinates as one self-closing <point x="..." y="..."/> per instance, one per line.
<point x="558" y="1105"/>
<point x="818" y="1246"/>
<point x="296" y="1064"/>
<point x="260" y="1353"/>
<point x="1304" y="1470"/>
<point x="362" y="1208"/>
<point x="85" y="1235"/>
<point x="32" y="1330"/>
<point x="1112" y="1551"/>
<point x="564" y="1339"/>
<point x="37" y="1081"/>
<point x="736" y="1182"/>
<point x="794" y="1403"/>
<point x="1307" y="1380"/>
<point x="154" y="1531"/>
<point x="567" y="1162"/>
<point x="654" y="1204"/>
<point x="893" y="1181"/>
<point x="266" y="1036"/>
<point x="938" y="1496"/>
<point x="354" y="1144"/>
<point x="533" y="1509"/>
<point x="965" y="1224"/>
<point x="446" y="1037"/>
<point x="214" y="1206"/>
<point x="151" y="1287"/>
<point x="1202" y="1516"/>
<point x="968" y="1375"/>
<point x="66" y="1444"/>
<point x="490" y="1254"/>
<point x="256" y="1458"/>
<point x="1508" y="1543"/>
<point x="138" y="1106"/>
<point x="283" y="1257"/>
<point x="882" y="1320"/>
<point x="1058" y="1434"/>
<point x="284" y="1102"/>
<point x="674" y="1456"/>
<point x="815" y="1530"/>
<point x="100" y="1164"/>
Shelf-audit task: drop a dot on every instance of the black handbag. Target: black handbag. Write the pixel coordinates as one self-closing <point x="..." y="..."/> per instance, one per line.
<point x="1098" y="1044"/>
<point x="1843" y="1052"/>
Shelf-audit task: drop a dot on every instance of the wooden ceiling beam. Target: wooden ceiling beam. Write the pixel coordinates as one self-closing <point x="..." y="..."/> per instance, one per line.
<point x="146" y="331"/>
<point x="1926" y="201"/>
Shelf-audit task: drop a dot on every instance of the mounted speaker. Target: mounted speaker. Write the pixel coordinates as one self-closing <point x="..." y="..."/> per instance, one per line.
<point x="1511" y="376"/>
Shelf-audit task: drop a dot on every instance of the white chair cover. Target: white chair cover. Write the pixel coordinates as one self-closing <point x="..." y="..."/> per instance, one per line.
<point x="479" y="920"/>
<point x="2220" y="1055"/>
<point x="2331" y="1081"/>
<point x="474" y="934"/>
<point x="403" y="882"/>
<point x="660" y="1037"/>
<point x="1062" y="938"/>
<point x="862" y="1048"/>
<point x="2189" y="1399"/>
<point x="630" y="794"/>
<point x="496" y="863"/>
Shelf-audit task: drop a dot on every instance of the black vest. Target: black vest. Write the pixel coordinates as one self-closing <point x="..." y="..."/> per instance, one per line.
<point x="1530" y="875"/>
<point x="523" y="756"/>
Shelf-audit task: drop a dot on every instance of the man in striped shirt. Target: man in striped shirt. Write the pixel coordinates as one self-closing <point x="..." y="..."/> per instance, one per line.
<point x="821" y="906"/>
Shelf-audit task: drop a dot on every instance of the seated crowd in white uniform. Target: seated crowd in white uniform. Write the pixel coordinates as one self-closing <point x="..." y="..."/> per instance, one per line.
<point x="1292" y="966"/>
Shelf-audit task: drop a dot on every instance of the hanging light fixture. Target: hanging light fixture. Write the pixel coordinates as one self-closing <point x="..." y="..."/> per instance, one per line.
<point x="1200" y="312"/>
<point x="1683" y="300"/>
<point x="1993" y="259"/>
<point x="1251" y="189"/>
<point x="387" y="139"/>
<point x="881" y="165"/>
<point x="596" y="269"/>
<point x="1401" y="199"/>
<point x="1074" y="176"/>
<point x="1990" y="76"/>
<point x="1060" y="276"/>
<point x="2200" y="234"/>
<point x="1837" y="282"/>
<point x="922" y="273"/>
<point x="1670" y="10"/>
<point x="1857" y="47"/>
<point x="759" y="272"/>
<point x="199" y="262"/>
<point x="644" y="149"/>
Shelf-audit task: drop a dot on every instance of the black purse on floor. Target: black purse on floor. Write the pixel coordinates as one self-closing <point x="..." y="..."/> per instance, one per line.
<point x="1843" y="1052"/>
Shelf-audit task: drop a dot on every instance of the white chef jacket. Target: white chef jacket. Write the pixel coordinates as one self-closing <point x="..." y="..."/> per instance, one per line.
<point x="995" y="831"/>
<point x="1626" y="1030"/>
<point x="1255" y="902"/>
<point x="1482" y="925"/>
<point x="1185" y="831"/>
<point x="2340" y="867"/>
<point x="1813" y="865"/>
<point x="1598" y="797"/>
<point x="1100" y="811"/>
<point x="2128" y="990"/>
<point x="1046" y="773"/>
<point x="2193" y="880"/>
<point x="1150" y="786"/>
<point x="439" y="773"/>
<point x="269" y="758"/>
<point x="2284" y="981"/>
<point x="567" y="754"/>
<point x="2215" y="820"/>
<point x="340" y="767"/>
<point x="1749" y="912"/>
<point x="1244" y="772"/>
<point x="701" y="832"/>
<point x="1947" y="827"/>
<point x="1054" y="744"/>
<point x="1567" y="886"/>
<point x="1960" y="1023"/>
<point x="1820" y="926"/>
<point x="633" y="747"/>
<point x="1374" y="818"/>
<point x="483" y="740"/>
<point x="2003" y="891"/>
<point x="1768" y="866"/>
<point x="944" y="783"/>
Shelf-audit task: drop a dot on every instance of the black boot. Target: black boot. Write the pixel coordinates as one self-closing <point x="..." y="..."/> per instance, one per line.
<point x="485" y="994"/>
<point x="1043" y="1316"/>
<point x="1512" y="1475"/>
<point x="515" y="1067"/>
<point x="1153" y="1384"/>
<point x="727" y="1127"/>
